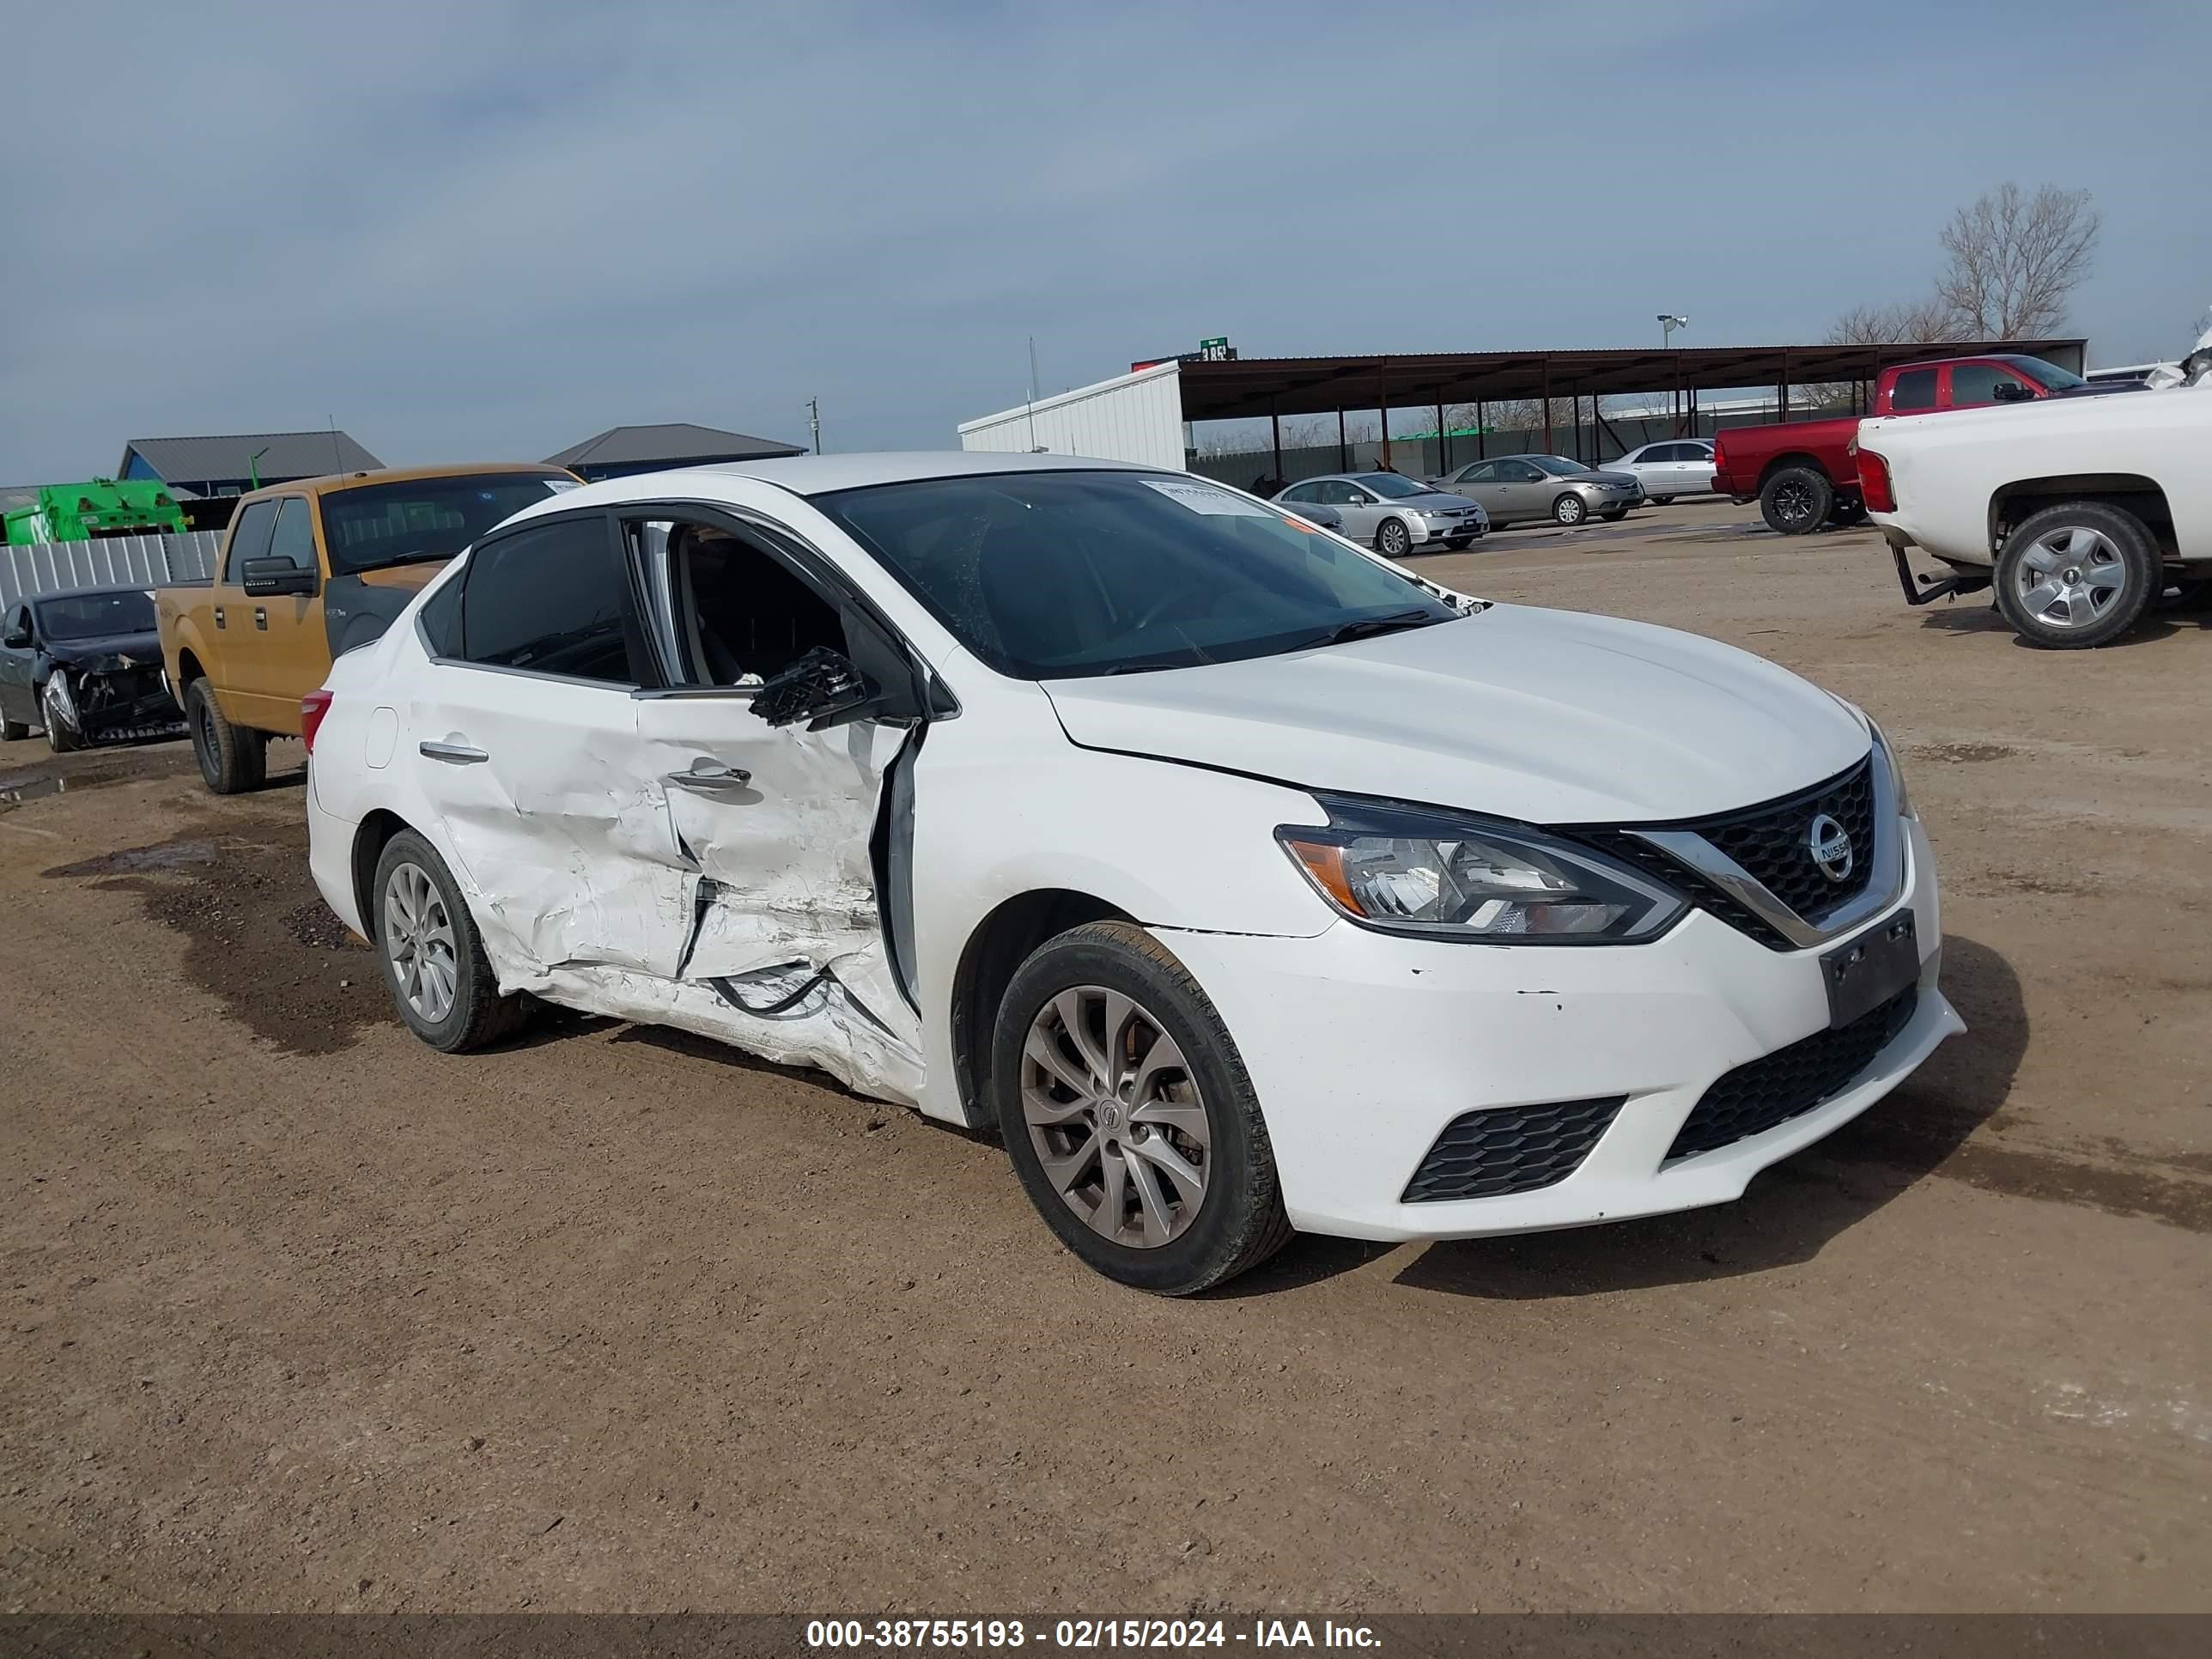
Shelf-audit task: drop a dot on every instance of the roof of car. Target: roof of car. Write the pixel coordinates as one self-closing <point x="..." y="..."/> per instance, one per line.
<point x="821" y="475"/>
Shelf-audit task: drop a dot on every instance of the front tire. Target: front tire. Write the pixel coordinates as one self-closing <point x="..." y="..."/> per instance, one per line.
<point x="233" y="758"/>
<point x="1796" y="501"/>
<point x="1129" y="1116"/>
<point x="1569" y="509"/>
<point x="2076" y="576"/>
<point x="435" y="964"/>
<point x="59" y="719"/>
<point x="1615" y="516"/>
<point x="1393" y="540"/>
<point x="1662" y="501"/>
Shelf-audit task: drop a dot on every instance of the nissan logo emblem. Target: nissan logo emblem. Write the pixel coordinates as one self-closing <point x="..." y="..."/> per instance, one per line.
<point x="1830" y="845"/>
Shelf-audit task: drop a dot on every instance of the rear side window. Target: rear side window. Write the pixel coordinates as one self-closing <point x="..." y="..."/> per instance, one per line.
<point x="1914" y="389"/>
<point x="551" y="599"/>
<point x="249" y="537"/>
<point x="293" y="537"/>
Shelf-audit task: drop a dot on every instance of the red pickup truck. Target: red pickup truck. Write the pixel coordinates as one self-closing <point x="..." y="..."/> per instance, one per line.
<point x="1802" y="474"/>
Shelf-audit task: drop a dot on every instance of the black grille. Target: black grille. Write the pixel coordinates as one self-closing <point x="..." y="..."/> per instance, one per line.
<point x="1509" y="1149"/>
<point x="1769" y="841"/>
<point x="1790" y="1082"/>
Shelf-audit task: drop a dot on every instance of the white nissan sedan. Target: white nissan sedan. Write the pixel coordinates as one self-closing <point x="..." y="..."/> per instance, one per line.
<point x="1244" y="882"/>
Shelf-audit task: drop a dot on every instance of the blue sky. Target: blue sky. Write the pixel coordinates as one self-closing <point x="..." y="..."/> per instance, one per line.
<point x="485" y="230"/>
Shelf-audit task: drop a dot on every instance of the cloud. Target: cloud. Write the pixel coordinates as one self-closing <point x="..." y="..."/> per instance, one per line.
<point x="489" y="228"/>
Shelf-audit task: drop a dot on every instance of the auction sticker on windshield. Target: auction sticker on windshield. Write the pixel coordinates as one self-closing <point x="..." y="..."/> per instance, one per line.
<point x="1199" y="499"/>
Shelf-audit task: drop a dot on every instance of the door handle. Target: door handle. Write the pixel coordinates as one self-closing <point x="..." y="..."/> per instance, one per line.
<point x="709" y="775"/>
<point x="455" y="754"/>
<point x="261" y="618"/>
<point x="218" y="616"/>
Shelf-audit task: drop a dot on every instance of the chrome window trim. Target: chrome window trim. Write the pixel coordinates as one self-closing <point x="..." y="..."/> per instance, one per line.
<point x="1883" y="885"/>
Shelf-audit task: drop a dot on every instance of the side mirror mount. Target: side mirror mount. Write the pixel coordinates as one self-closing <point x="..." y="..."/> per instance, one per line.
<point x="823" y="688"/>
<point x="266" y="577"/>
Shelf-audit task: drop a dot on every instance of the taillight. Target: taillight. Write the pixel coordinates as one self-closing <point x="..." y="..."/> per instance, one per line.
<point x="1720" y="455"/>
<point x="1873" y="482"/>
<point x="313" y="707"/>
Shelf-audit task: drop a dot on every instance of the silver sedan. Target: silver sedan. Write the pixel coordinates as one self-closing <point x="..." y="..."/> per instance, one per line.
<point x="1513" y="487"/>
<point x="1394" y="512"/>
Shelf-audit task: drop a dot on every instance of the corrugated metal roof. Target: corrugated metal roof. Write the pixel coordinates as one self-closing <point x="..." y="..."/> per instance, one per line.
<point x="291" y="455"/>
<point x="676" y="441"/>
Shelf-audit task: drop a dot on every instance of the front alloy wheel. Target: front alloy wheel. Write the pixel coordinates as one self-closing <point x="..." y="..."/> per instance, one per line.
<point x="1125" y="1108"/>
<point x="1393" y="539"/>
<point x="1569" y="508"/>
<point x="1115" y="1117"/>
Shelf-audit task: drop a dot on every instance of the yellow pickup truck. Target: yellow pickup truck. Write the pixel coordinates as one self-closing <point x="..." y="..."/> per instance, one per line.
<point x="308" y="571"/>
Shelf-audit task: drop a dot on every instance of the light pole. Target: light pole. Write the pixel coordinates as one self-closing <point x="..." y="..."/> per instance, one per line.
<point x="1669" y="322"/>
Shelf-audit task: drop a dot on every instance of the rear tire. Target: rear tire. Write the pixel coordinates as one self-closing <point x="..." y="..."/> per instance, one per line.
<point x="2077" y="575"/>
<point x="1796" y="501"/>
<point x="1569" y="509"/>
<point x="1135" y="1129"/>
<point x="435" y="964"/>
<point x="233" y="759"/>
<point x="1393" y="540"/>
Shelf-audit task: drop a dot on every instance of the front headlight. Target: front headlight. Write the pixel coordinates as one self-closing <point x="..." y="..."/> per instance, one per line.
<point x="1436" y="875"/>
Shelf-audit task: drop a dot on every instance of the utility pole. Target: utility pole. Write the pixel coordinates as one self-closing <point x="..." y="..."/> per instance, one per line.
<point x="814" y="418"/>
<point x="1032" y="397"/>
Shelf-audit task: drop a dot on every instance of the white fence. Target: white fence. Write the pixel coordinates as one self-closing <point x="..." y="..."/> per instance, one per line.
<point x="111" y="561"/>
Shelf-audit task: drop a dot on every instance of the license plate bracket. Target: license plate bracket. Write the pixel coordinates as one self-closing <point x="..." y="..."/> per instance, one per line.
<point x="1870" y="969"/>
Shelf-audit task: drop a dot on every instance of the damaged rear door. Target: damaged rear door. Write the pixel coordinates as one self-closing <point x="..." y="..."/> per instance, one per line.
<point x="781" y="745"/>
<point x="523" y="730"/>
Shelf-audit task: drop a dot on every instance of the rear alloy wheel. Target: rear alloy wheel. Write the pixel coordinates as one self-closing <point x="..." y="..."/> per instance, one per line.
<point x="435" y="964"/>
<point x="232" y="758"/>
<point x="1569" y="508"/>
<point x="1393" y="540"/>
<point x="1128" y="1115"/>
<point x="58" y="714"/>
<point x="2077" y="575"/>
<point x="1796" y="502"/>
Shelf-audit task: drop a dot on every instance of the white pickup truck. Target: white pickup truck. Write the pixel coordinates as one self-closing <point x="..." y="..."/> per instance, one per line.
<point x="2081" y="511"/>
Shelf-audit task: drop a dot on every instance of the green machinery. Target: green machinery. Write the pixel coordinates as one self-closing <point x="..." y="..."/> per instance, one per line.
<point x="97" y="508"/>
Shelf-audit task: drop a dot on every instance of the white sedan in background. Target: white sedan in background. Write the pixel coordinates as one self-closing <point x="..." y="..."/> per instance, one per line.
<point x="1241" y="881"/>
<point x="1678" y="466"/>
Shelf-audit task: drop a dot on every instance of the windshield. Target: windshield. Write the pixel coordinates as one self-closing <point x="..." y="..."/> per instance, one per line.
<point x="1558" y="465"/>
<point x="375" y="526"/>
<point x="2049" y="376"/>
<point x="1391" y="486"/>
<point x="96" y="616"/>
<point x="1051" y="575"/>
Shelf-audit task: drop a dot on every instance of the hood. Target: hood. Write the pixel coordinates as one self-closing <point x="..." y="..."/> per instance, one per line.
<point x="135" y="650"/>
<point x="1546" y="716"/>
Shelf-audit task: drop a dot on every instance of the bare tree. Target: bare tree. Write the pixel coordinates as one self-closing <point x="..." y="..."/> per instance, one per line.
<point x="1907" y="322"/>
<point x="2012" y="260"/>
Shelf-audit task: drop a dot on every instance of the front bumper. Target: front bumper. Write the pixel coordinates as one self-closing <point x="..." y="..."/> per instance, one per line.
<point x="1365" y="1046"/>
<point x="100" y="704"/>
<point x="1453" y="530"/>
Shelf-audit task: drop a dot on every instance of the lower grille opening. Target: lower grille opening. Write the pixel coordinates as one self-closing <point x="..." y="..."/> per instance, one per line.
<point x="1511" y="1149"/>
<point x="1790" y="1082"/>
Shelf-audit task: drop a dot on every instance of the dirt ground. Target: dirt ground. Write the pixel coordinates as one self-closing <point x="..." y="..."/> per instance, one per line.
<point x="303" y="1316"/>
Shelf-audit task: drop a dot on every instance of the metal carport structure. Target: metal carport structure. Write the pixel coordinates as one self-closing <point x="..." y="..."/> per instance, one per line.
<point x="1251" y="387"/>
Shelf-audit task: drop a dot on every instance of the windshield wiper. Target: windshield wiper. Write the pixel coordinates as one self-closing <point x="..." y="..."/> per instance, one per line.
<point x="1368" y="627"/>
